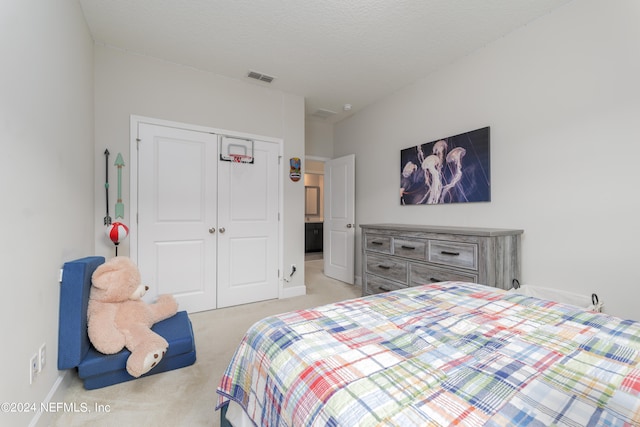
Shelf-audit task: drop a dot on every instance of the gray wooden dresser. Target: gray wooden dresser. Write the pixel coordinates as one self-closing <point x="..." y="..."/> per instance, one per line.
<point x="396" y="256"/>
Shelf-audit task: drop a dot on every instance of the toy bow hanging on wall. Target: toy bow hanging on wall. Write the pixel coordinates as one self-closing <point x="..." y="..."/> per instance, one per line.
<point x="107" y="218"/>
<point x="117" y="231"/>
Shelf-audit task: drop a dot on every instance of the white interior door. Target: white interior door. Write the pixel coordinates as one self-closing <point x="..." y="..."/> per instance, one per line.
<point x="177" y="183"/>
<point x="248" y="201"/>
<point x="339" y="218"/>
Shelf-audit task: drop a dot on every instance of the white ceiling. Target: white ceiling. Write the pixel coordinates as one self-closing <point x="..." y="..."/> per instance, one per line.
<point x="331" y="52"/>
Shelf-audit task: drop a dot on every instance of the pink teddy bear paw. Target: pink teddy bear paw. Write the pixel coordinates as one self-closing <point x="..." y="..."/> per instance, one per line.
<point x="150" y="361"/>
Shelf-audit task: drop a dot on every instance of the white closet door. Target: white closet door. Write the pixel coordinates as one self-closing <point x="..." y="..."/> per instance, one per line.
<point x="177" y="182"/>
<point x="248" y="247"/>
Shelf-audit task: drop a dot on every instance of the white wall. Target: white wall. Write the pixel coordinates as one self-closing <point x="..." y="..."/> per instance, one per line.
<point x="314" y="167"/>
<point x="46" y="132"/>
<point x="127" y="84"/>
<point x="319" y="139"/>
<point x="562" y="98"/>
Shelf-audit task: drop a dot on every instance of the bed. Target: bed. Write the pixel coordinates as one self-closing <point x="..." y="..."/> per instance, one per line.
<point x="448" y="353"/>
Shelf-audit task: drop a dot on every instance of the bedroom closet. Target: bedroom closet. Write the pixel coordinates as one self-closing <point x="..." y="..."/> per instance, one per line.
<point x="207" y="227"/>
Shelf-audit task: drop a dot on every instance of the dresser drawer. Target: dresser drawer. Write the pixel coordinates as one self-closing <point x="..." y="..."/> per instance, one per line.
<point x="423" y="274"/>
<point x="415" y="249"/>
<point x="378" y="243"/>
<point x="376" y="285"/>
<point x="390" y="268"/>
<point x="455" y="254"/>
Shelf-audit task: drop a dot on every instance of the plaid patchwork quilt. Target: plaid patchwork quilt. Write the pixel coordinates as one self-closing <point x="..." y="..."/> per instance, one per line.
<point x="436" y="355"/>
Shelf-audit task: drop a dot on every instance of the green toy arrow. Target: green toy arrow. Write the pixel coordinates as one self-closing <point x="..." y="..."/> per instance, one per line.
<point x="119" y="205"/>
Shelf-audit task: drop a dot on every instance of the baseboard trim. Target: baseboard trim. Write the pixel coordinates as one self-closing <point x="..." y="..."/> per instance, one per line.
<point x="293" y="291"/>
<point x="358" y="281"/>
<point x="56" y="394"/>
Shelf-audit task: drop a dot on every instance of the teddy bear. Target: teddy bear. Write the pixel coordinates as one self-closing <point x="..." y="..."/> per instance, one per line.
<point x="118" y="318"/>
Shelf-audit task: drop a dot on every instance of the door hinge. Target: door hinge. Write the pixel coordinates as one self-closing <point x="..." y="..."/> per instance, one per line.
<point x="278" y="272"/>
<point x="278" y="216"/>
<point x="136" y="217"/>
<point x="138" y="143"/>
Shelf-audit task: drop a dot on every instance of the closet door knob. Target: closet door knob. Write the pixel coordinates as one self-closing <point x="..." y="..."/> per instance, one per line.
<point x="212" y="230"/>
<point x="349" y="225"/>
<point x="221" y="230"/>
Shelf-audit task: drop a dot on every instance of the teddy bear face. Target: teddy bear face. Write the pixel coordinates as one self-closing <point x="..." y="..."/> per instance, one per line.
<point x="117" y="280"/>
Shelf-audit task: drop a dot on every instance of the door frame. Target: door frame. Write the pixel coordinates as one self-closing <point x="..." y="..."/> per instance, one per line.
<point x="134" y="122"/>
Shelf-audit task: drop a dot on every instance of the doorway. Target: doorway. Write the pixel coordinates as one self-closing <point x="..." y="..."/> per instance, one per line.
<point x="335" y="183"/>
<point x="314" y="209"/>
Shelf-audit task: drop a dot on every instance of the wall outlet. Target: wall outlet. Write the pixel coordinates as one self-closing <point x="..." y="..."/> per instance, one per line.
<point x="42" y="357"/>
<point x="33" y="368"/>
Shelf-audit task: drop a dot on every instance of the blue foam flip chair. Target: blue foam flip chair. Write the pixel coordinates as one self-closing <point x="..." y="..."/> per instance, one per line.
<point x="94" y="368"/>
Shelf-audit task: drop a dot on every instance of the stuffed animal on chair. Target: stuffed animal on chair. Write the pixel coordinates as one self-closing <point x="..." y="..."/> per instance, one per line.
<point x="118" y="318"/>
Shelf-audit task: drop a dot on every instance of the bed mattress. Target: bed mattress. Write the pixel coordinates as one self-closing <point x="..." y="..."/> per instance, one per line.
<point x="448" y="353"/>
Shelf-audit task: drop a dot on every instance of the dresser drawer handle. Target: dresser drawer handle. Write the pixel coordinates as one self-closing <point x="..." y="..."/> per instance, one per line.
<point x="383" y="288"/>
<point x="375" y="242"/>
<point x="435" y="279"/>
<point x="450" y="253"/>
<point x="386" y="267"/>
<point x="408" y="247"/>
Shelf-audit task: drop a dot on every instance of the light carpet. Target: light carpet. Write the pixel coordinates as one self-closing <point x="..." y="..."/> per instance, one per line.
<point x="187" y="396"/>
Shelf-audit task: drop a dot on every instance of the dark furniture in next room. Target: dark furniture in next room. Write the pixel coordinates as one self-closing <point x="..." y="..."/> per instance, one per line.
<point x="313" y="237"/>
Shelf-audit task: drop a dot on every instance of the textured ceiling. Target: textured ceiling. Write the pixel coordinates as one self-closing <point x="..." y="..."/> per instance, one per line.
<point x="332" y="52"/>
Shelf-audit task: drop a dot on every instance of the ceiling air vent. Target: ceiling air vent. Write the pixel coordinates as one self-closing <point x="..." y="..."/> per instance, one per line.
<point x="259" y="76"/>
<point x="323" y="114"/>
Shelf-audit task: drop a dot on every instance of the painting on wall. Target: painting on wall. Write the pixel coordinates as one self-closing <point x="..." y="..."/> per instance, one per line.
<point x="455" y="169"/>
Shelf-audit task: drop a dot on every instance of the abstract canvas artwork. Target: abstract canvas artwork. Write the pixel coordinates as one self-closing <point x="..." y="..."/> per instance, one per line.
<point x="455" y="169"/>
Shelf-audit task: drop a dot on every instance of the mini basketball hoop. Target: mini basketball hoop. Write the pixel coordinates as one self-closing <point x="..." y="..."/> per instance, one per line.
<point x="236" y="150"/>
